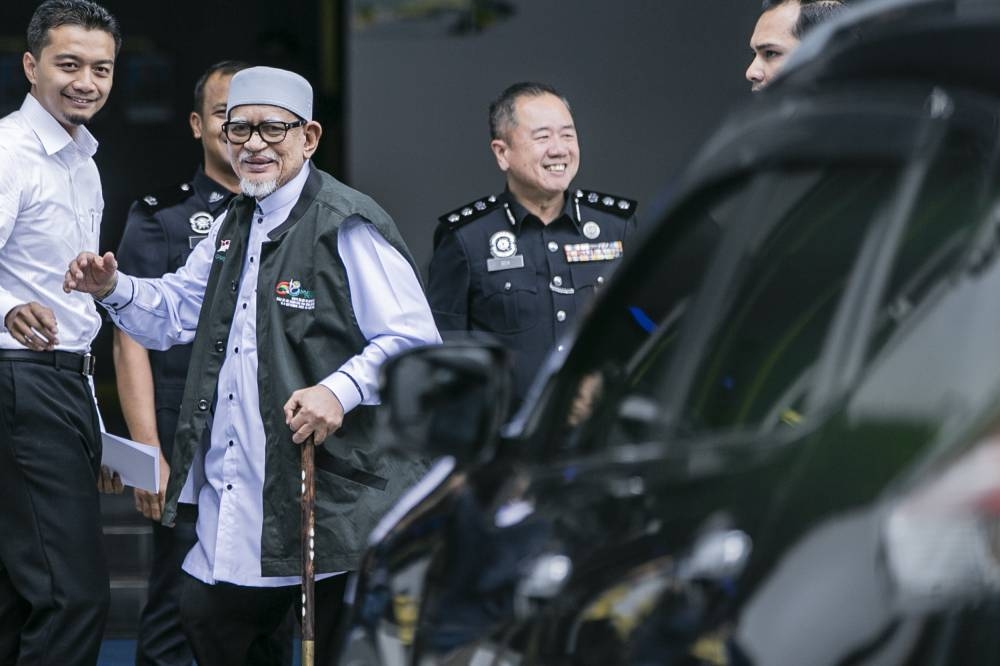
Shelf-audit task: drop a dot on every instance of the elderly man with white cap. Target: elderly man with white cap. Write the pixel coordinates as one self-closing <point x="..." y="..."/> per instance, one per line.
<point x="302" y="289"/>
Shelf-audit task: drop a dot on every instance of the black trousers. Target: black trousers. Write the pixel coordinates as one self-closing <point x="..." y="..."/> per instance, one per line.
<point x="225" y="622"/>
<point x="161" y="640"/>
<point x="53" y="576"/>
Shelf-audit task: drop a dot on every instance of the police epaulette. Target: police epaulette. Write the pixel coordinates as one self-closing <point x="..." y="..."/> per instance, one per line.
<point x="609" y="203"/>
<point x="167" y="196"/>
<point x="470" y="211"/>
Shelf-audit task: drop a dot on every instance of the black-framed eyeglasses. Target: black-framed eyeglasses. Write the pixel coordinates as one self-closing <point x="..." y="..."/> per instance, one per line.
<point x="272" y="131"/>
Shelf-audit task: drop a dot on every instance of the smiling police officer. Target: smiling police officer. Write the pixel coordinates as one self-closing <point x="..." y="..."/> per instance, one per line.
<point x="522" y="265"/>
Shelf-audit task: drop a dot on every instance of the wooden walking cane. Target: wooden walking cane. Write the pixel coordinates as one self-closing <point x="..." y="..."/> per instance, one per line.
<point x="308" y="552"/>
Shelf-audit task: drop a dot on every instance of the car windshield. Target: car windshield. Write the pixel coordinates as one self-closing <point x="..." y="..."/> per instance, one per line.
<point x="786" y="245"/>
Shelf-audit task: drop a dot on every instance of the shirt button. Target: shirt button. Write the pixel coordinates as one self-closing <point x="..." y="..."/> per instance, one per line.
<point x="561" y="315"/>
<point x="219" y="346"/>
<point x="557" y="281"/>
<point x="203" y="405"/>
<point x="553" y="246"/>
<point x="229" y="486"/>
<point x="230" y="396"/>
<point x="230" y="442"/>
<point x="251" y="260"/>
<point x="244" y="306"/>
<point x="506" y="286"/>
<point x="236" y="350"/>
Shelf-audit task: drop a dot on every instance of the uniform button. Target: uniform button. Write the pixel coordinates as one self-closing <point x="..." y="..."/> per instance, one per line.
<point x="229" y="486"/>
<point x="251" y="260"/>
<point x="506" y="286"/>
<point x="230" y="396"/>
<point x="244" y="306"/>
<point x="230" y="442"/>
<point x="561" y="315"/>
<point x="220" y="345"/>
<point x="561" y="347"/>
<point x="553" y="246"/>
<point x="557" y="281"/>
<point x="203" y="405"/>
<point x="233" y="285"/>
<point x="600" y="279"/>
<point x="236" y="350"/>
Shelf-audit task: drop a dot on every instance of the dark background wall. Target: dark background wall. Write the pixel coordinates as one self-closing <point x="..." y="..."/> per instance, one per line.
<point x="402" y="88"/>
<point x="648" y="80"/>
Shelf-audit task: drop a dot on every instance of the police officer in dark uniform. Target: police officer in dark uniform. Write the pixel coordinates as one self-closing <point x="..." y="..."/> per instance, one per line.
<point x="524" y="264"/>
<point x="161" y="231"/>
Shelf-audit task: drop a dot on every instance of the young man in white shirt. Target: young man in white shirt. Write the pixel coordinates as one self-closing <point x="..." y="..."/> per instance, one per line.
<point x="53" y="577"/>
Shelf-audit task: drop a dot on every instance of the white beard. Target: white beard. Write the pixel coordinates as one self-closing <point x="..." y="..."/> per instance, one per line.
<point x="258" y="189"/>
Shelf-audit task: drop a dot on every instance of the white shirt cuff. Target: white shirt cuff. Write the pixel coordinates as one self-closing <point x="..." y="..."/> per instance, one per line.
<point x="347" y="390"/>
<point x="121" y="296"/>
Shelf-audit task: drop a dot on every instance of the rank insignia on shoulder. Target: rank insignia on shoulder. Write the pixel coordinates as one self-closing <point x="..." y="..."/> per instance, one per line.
<point x="609" y="203"/>
<point x="469" y="212"/>
<point x="579" y="252"/>
<point x="167" y="196"/>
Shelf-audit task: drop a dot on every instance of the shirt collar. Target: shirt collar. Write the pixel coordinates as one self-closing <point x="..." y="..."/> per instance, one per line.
<point x="52" y="135"/>
<point x="520" y="213"/>
<point x="211" y="192"/>
<point x="286" y="195"/>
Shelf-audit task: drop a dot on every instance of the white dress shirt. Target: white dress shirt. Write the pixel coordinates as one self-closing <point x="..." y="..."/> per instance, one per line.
<point x="392" y="313"/>
<point x="50" y="211"/>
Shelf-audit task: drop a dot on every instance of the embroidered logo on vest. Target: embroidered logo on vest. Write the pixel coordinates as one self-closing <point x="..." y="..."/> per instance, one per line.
<point x="291" y="295"/>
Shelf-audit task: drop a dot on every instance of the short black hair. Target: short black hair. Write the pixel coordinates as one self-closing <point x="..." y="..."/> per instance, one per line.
<point x="811" y="12"/>
<point x="84" y="13"/>
<point x="224" y="67"/>
<point x="502" y="108"/>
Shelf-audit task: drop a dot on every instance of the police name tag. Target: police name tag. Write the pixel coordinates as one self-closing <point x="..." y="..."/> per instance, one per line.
<point x="593" y="251"/>
<point x="504" y="263"/>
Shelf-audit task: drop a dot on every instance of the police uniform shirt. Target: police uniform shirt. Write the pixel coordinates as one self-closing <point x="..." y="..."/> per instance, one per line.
<point x="497" y="268"/>
<point x="161" y="230"/>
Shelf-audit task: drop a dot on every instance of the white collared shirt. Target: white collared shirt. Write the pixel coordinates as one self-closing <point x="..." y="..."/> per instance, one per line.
<point x="392" y="313"/>
<point x="50" y="211"/>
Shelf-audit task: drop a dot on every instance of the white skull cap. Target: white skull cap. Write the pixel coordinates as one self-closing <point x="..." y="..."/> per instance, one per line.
<point x="273" y="87"/>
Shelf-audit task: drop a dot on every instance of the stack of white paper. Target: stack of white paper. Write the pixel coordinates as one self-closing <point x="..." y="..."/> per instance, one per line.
<point x="137" y="464"/>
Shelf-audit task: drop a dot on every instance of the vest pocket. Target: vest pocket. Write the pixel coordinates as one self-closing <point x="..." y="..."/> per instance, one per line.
<point x="333" y="465"/>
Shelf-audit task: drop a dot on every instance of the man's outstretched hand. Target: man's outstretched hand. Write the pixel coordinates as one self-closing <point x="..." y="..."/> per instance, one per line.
<point x="92" y="274"/>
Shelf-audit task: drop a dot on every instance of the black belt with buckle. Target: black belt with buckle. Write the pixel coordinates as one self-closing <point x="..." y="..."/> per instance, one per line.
<point x="82" y="363"/>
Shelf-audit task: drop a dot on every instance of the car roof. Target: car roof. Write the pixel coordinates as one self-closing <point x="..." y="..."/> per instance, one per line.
<point x="944" y="42"/>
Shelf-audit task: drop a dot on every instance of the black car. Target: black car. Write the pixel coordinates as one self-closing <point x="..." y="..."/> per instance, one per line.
<point x="776" y="438"/>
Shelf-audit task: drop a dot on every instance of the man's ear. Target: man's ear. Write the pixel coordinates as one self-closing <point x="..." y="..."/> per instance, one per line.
<point x="30" y="65"/>
<point x="499" y="148"/>
<point x="195" y="120"/>
<point x="313" y="131"/>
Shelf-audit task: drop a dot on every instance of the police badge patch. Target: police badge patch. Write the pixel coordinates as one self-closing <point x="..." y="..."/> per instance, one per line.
<point x="201" y="222"/>
<point x="503" y="244"/>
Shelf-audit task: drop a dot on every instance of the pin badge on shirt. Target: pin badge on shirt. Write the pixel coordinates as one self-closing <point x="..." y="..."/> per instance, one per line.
<point x="591" y="230"/>
<point x="503" y="251"/>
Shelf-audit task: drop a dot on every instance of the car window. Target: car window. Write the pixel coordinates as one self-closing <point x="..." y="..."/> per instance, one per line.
<point x="643" y="308"/>
<point x="803" y="231"/>
<point x="756" y="371"/>
<point x="947" y="212"/>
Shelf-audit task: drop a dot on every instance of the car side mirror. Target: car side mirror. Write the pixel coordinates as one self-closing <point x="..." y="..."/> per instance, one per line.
<point x="448" y="399"/>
